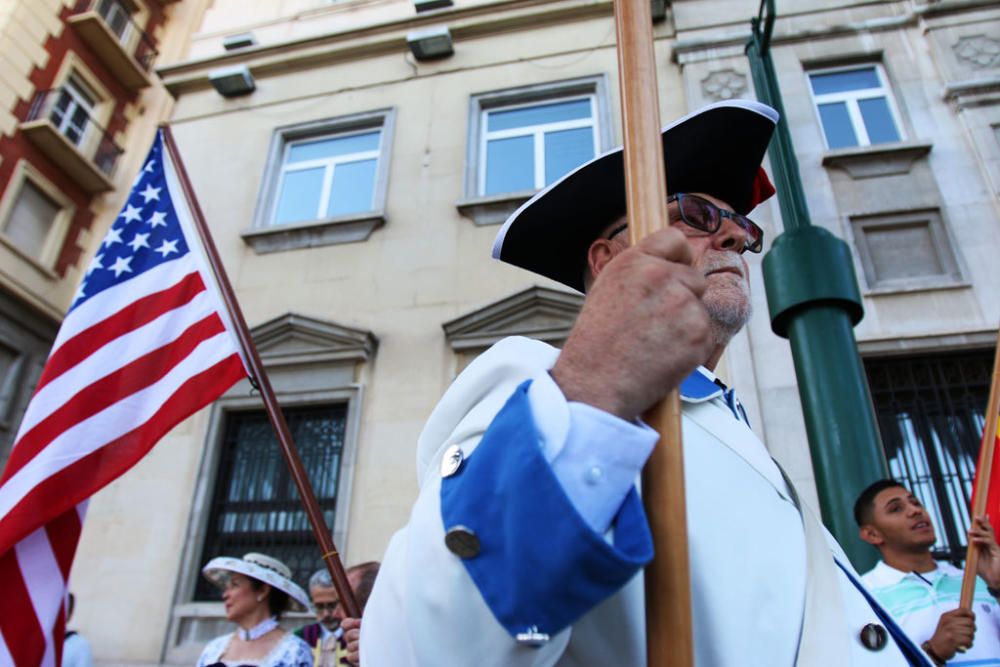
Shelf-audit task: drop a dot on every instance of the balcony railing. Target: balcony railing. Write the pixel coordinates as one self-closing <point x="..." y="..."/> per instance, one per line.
<point x="108" y="28"/>
<point x="63" y="129"/>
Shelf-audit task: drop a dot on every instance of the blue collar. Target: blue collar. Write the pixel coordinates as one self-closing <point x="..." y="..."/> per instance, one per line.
<point x="699" y="387"/>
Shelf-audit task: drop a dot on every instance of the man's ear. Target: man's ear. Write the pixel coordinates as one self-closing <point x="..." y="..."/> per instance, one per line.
<point x="871" y="535"/>
<point x="599" y="254"/>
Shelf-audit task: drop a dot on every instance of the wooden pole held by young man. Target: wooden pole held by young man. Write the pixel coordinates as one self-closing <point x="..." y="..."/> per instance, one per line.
<point x="259" y="377"/>
<point x="984" y="470"/>
<point x="668" y="588"/>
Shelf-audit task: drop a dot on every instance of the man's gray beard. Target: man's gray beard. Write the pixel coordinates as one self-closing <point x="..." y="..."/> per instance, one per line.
<point x="726" y="321"/>
<point x="726" y="314"/>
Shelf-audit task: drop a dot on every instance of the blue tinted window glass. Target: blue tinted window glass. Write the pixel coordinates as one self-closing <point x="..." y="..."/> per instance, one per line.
<point x="878" y="120"/>
<point x="837" y="125"/>
<point x="353" y="185"/>
<point x="332" y="146"/>
<point x="510" y="165"/>
<point x="566" y="150"/>
<point x="299" y="197"/>
<point x="538" y="115"/>
<point x="838" y="82"/>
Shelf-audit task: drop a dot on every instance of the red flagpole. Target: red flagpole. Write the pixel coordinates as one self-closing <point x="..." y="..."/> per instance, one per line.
<point x="259" y="376"/>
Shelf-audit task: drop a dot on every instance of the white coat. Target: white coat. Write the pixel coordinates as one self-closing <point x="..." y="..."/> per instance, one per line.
<point x="747" y="554"/>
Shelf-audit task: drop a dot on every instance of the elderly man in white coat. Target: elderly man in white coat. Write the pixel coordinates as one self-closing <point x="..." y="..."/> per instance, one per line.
<point x="527" y="541"/>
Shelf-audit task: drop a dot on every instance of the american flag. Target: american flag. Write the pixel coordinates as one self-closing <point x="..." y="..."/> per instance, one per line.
<point x="145" y="344"/>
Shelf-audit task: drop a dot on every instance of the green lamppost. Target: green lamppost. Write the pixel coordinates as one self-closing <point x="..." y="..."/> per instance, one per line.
<point x="814" y="302"/>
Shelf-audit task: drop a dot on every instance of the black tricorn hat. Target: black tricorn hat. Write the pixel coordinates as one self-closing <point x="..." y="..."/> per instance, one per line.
<point x="716" y="150"/>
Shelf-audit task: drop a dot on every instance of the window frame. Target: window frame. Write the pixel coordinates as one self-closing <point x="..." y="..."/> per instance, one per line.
<point x="77" y="91"/>
<point x="942" y="243"/>
<point x="536" y="132"/>
<point x="221" y="425"/>
<point x="264" y="236"/>
<point x="45" y="262"/>
<point x="851" y="99"/>
<point x="329" y="165"/>
<point x="595" y="87"/>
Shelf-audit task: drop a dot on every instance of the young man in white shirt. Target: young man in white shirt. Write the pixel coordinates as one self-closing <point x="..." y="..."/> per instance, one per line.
<point x="922" y="593"/>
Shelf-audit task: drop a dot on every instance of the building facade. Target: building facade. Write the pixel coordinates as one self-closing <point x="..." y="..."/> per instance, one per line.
<point x="354" y="159"/>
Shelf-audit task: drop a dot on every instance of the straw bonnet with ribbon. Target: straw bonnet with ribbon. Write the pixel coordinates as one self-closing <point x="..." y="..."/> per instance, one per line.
<point x="716" y="150"/>
<point x="263" y="568"/>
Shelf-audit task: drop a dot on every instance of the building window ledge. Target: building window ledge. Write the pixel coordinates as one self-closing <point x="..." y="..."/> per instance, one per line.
<point x="915" y="286"/>
<point x="877" y="160"/>
<point x="342" y="229"/>
<point x="492" y="209"/>
<point x="33" y="262"/>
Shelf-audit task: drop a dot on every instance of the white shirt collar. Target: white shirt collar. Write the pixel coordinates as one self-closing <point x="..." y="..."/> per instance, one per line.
<point x="885" y="575"/>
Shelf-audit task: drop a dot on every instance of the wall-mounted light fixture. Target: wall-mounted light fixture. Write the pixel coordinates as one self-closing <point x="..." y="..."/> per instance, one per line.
<point x="430" y="43"/>
<point x="232" y="81"/>
<point x="427" y="5"/>
<point x="240" y="41"/>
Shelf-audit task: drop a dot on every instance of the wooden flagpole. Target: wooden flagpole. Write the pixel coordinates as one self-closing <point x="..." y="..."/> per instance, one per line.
<point x="668" y="586"/>
<point x="984" y="471"/>
<point x="259" y="376"/>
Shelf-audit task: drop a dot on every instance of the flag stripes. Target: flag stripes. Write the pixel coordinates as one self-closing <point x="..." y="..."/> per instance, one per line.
<point x="145" y="310"/>
<point x="144" y="346"/>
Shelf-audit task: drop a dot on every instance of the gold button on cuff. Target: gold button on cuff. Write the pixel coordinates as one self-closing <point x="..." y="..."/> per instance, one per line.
<point x="874" y="637"/>
<point x="462" y="542"/>
<point x="452" y="460"/>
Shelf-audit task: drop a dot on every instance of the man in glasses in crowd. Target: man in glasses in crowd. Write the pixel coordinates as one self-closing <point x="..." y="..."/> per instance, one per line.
<point x="528" y="536"/>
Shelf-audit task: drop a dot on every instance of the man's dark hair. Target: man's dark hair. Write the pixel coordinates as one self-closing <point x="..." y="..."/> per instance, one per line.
<point x="864" y="506"/>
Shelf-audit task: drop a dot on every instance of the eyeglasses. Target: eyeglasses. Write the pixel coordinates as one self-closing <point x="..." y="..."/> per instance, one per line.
<point x="326" y="606"/>
<point x="705" y="216"/>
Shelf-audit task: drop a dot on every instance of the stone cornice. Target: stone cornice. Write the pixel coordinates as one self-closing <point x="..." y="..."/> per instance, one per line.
<point x="382" y="38"/>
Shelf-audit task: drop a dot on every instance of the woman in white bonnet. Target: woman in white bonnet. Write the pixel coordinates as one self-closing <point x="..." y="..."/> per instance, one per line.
<point x="256" y="590"/>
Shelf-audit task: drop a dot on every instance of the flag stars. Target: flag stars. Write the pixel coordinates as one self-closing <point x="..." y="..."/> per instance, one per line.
<point x="80" y="291"/>
<point x="139" y="241"/>
<point x="158" y="219"/>
<point x="96" y="263"/>
<point x="121" y="266"/>
<point x="148" y="169"/>
<point x="114" y="236"/>
<point x="131" y="213"/>
<point x="149" y="194"/>
<point x="167" y="247"/>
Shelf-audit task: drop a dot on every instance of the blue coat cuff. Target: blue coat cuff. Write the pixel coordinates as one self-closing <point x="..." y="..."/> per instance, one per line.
<point x="540" y="566"/>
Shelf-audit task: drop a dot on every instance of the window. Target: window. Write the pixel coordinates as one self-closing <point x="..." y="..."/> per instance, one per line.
<point x="72" y="111"/>
<point x="905" y="250"/>
<point x="325" y="183"/>
<point x="34" y="215"/>
<point x="31" y="219"/>
<point x="116" y="16"/>
<point x="255" y="505"/>
<point x="522" y="139"/>
<point x="930" y="414"/>
<point x="855" y="106"/>
<point x="327" y="177"/>
<point x="527" y="147"/>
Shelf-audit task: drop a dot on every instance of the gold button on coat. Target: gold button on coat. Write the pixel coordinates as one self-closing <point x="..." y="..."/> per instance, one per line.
<point x="452" y="460"/>
<point x="462" y="542"/>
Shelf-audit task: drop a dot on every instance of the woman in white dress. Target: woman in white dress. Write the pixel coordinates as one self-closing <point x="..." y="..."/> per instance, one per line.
<point x="256" y="590"/>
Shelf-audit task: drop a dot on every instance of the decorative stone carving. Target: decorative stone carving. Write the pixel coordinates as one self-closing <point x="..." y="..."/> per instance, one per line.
<point x="980" y="50"/>
<point x="539" y="312"/>
<point x="724" y="84"/>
